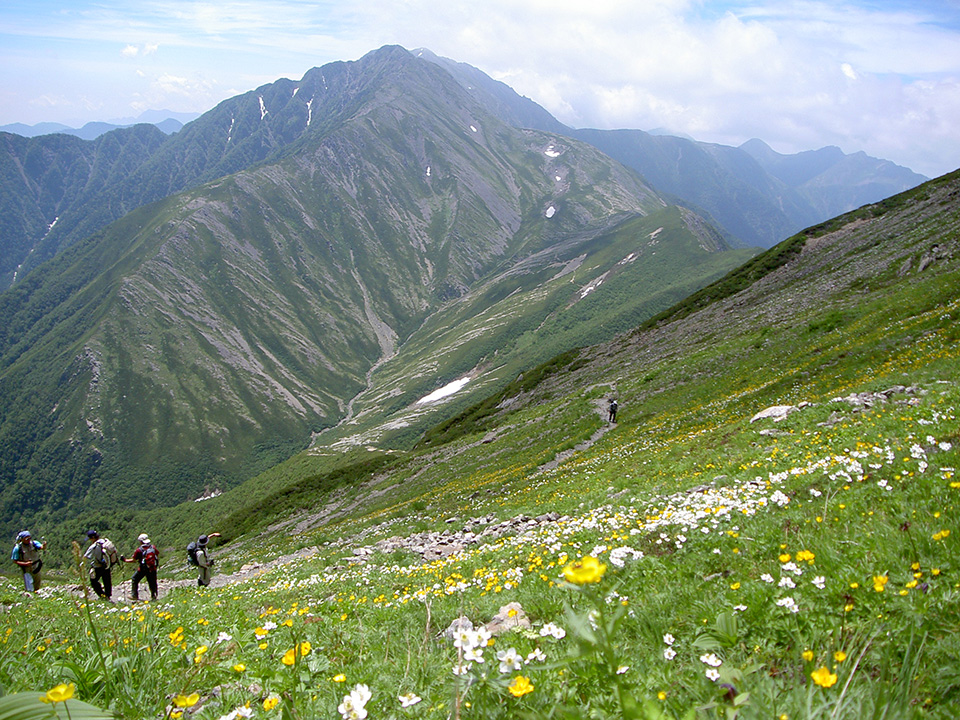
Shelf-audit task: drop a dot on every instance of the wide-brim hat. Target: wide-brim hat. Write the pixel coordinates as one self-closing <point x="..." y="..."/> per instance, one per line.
<point x="144" y="539"/>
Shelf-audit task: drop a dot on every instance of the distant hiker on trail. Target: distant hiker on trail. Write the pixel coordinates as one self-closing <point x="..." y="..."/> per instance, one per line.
<point x="198" y="556"/>
<point x="102" y="555"/>
<point x="148" y="557"/>
<point x="612" y="410"/>
<point x="26" y="554"/>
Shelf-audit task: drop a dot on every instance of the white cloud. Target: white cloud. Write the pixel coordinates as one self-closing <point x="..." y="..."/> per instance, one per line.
<point x="800" y="74"/>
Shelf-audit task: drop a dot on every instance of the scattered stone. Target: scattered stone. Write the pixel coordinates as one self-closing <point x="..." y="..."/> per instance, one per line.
<point x="509" y="617"/>
<point x="775" y="413"/>
<point x="458" y="625"/>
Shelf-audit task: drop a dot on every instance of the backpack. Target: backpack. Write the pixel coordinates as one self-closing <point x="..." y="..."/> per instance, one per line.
<point x="149" y="557"/>
<point x="192" y="554"/>
<point x="110" y="555"/>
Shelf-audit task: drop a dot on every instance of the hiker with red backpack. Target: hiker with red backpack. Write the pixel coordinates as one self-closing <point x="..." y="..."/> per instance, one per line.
<point x="148" y="557"/>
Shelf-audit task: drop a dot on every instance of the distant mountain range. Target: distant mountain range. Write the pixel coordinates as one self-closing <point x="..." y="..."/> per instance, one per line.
<point x="317" y="256"/>
<point x="166" y="120"/>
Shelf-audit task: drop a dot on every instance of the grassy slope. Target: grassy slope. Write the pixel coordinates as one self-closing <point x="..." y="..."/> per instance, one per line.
<point x="867" y="498"/>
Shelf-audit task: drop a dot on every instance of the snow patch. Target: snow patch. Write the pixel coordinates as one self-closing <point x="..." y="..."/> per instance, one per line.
<point x="558" y="178"/>
<point x="443" y="392"/>
<point x="628" y="259"/>
<point x="551" y="211"/>
<point x="472" y="128"/>
<point x="230" y="131"/>
<point x="309" y="111"/>
<point x="295" y="91"/>
<point x="551" y="152"/>
<point x="263" y="109"/>
<point x="653" y="235"/>
<point x="428" y="171"/>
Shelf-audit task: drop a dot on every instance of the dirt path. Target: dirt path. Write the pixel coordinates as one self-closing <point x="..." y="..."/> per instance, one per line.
<point x="600" y="406"/>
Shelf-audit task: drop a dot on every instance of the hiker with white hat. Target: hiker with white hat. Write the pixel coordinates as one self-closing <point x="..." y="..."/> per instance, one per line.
<point x="146" y="554"/>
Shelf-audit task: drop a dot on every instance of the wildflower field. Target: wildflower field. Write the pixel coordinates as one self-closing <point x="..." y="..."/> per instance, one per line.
<point x="693" y="561"/>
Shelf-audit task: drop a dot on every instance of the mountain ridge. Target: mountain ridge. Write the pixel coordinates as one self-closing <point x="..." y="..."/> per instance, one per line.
<point x="195" y="338"/>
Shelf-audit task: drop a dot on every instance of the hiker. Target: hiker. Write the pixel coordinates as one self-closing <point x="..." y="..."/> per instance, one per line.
<point x="148" y="557"/>
<point x="204" y="562"/>
<point x="26" y="554"/>
<point x="102" y="556"/>
<point x="612" y="410"/>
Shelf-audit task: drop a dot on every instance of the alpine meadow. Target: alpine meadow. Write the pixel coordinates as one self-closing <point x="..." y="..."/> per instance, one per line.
<point x="364" y="330"/>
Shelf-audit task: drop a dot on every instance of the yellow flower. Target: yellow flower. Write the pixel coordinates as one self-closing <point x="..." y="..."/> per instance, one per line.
<point x="60" y="693"/>
<point x="661" y="695"/>
<point x="784" y="558"/>
<point x="839" y="656"/>
<point x="879" y="582"/>
<point x="185" y="701"/>
<point x="305" y="648"/>
<point x="340" y="678"/>
<point x="520" y="686"/>
<point x="806" y="555"/>
<point x="583" y="572"/>
<point x="823" y="677"/>
<point x="735" y="586"/>
<point x="239" y="667"/>
<point x="263" y="646"/>
<point x="271" y="702"/>
<point x="808" y="655"/>
<point x="289" y="657"/>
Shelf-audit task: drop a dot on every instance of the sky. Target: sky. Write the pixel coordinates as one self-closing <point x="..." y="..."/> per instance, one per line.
<point x="871" y="75"/>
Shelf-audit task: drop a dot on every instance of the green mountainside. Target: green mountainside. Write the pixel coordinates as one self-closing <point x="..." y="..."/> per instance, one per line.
<point x="50" y="177"/>
<point x="398" y="237"/>
<point x="769" y="528"/>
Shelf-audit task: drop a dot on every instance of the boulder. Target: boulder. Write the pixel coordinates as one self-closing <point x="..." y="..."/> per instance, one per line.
<point x="775" y="413"/>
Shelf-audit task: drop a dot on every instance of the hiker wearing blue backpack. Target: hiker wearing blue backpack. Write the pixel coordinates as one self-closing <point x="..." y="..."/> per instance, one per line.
<point x="197" y="556"/>
<point x="148" y="557"/>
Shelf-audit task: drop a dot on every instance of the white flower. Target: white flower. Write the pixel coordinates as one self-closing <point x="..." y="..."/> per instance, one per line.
<point x="815" y="492"/>
<point x="711" y="659"/>
<point x="460" y="670"/>
<point x="473" y="654"/>
<point x="269" y="625"/>
<point x="669" y="653"/>
<point x="739" y="608"/>
<point x="509" y="660"/>
<point x="622" y="669"/>
<point x="786" y="582"/>
<point x="819" y="581"/>
<point x="536" y="655"/>
<point x="712" y="674"/>
<point x="224" y="637"/>
<point x="789" y="603"/>
<point x="554" y="631"/>
<point x="353" y="706"/>
<point x="767" y="578"/>
<point x="668" y="639"/>
<point x="408" y="700"/>
<point x="244" y="712"/>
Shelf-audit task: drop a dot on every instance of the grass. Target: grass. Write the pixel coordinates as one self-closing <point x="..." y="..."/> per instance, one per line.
<point x="864" y="508"/>
<point x="799" y="569"/>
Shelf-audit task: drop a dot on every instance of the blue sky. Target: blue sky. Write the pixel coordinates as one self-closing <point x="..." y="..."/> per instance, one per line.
<point x="882" y="77"/>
